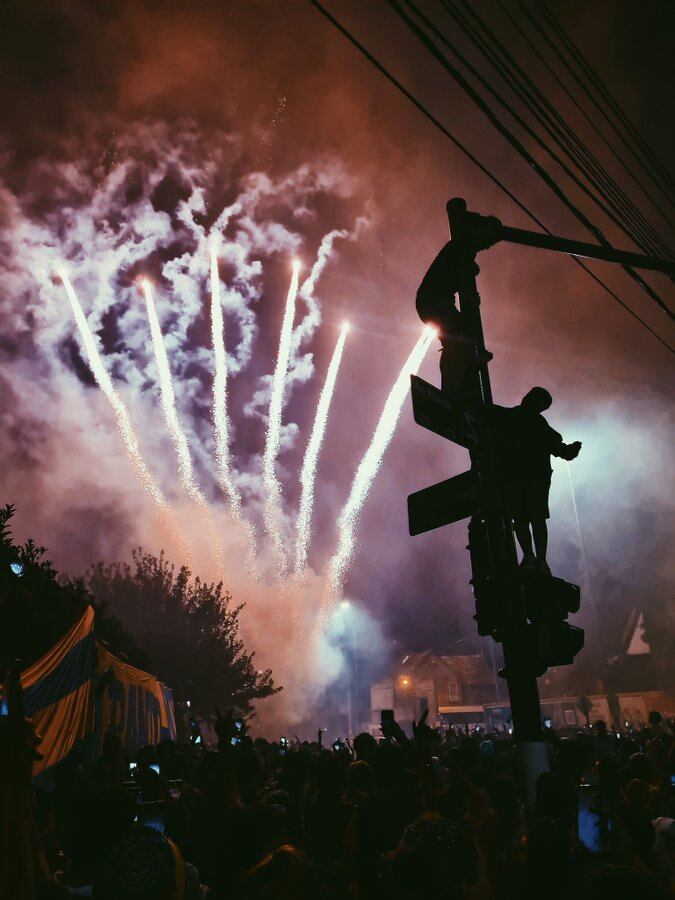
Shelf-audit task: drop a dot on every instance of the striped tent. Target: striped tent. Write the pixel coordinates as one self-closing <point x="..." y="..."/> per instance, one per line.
<point x="58" y="692"/>
<point x="78" y="689"/>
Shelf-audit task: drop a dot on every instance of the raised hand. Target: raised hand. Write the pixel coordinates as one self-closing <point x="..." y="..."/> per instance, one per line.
<point x="423" y="733"/>
<point x="224" y="728"/>
<point x="393" y="731"/>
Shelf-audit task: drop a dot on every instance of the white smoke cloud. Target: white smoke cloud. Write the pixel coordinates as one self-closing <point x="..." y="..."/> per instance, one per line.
<point x="153" y="211"/>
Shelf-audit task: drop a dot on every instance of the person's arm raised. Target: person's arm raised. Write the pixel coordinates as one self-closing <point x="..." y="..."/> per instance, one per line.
<point x="568" y="451"/>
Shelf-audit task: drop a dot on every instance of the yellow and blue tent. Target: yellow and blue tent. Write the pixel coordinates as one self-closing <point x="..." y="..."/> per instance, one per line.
<point x="134" y="703"/>
<point x="78" y="689"/>
<point x="58" y="693"/>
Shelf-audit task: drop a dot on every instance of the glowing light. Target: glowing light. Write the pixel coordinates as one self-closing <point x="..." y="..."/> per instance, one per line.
<point x="220" y="416"/>
<point x="368" y="469"/>
<point x="405" y="681"/>
<point x="168" y="402"/>
<point x="272" y="504"/>
<point x="221" y="420"/>
<point x="310" y="461"/>
<point x="121" y="413"/>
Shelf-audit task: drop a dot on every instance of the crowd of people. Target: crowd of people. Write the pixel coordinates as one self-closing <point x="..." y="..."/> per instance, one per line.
<point x="401" y="816"/>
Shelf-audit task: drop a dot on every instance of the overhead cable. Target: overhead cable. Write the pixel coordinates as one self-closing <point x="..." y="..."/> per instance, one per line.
<point x="458" y="144"/>
<point x="542" y="173"/>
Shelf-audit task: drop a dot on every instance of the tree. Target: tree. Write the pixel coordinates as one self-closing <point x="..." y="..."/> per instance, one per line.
<point x="37" y="606"/>
<point x="188" y="628"/>
<point x="181" y="629"/>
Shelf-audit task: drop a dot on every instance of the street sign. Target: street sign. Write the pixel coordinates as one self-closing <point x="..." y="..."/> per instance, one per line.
<point x="443" y="503"/>
<point x="441" y="414"/>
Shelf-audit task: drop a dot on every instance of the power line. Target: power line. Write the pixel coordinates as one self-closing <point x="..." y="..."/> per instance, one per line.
<point x="642" y="232"/>
<point x="630" y="171"/>
<point x="644" y="241"/>
<point x="584" y="88"/>
<point x="586" y="67"/>
<point x="458" y="144"/>
<point x="519" y="147"/>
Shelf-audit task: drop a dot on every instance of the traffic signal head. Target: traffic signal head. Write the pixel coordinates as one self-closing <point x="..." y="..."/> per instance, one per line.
<point x="487" y="605"/>
<point x="490" y="602"/>
<point x="549" y="599"/>
<point x="555" y="644"/>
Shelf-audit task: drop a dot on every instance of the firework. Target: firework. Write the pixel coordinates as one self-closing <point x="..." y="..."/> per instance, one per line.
<point x="221" y="420"/>
<point x="368" y="469"/>
<point x="122" y="418"/>
<point x="272" y="488"/>
<point x="168" y="402"/>
<point x="311" y="458"/>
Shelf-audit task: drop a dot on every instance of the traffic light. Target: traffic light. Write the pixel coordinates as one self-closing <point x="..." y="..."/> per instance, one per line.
<point x="548" y="602"/>
<point x="555" y="644"/>
<point x="548" y="598"/>
<point x="484" y="583"/>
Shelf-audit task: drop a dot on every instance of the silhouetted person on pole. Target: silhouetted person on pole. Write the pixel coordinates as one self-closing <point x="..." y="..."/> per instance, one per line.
<point x="525" y="443"/>
<point x="436" y="306"/>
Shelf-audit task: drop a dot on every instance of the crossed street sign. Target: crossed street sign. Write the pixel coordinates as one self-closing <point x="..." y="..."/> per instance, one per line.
<point x="456" y="498"/>
<point x="442" y="504"/>
<point x="441" y="414"/>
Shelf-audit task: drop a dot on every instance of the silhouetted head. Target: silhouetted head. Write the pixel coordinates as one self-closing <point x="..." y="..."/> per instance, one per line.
<point x="360" y="778"/>
<point x="365" y="746"/>
<point x="435" y="857"/>
<point x="538" y="399"/>
<point x="285" y="872"/>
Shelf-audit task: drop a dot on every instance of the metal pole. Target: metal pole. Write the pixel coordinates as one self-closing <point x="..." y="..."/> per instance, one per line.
<point x="349" y="710"/>
<point x="581" y="248"/>
<point x="355" y="687"/>
<point x="503" y="562"/>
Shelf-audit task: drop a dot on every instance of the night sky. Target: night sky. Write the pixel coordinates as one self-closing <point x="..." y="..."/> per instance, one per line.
<point x="114" y="114"/>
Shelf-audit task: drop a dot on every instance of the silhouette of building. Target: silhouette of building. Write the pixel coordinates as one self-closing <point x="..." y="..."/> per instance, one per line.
<point x="465" y="690"/>
<point x="455" y="690"/>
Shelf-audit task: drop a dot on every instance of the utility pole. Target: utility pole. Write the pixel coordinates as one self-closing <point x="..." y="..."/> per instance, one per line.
<point x="352" y="696"/>
<point x="525" y="613"/>
<point x="491" y="540"/>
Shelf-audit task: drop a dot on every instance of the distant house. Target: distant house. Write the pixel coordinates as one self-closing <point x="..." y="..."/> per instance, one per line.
<point x="465" y="689"/>
<point x="454" y="689"/>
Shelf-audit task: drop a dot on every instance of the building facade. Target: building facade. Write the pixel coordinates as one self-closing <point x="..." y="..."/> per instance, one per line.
<point x="466" y="691"/>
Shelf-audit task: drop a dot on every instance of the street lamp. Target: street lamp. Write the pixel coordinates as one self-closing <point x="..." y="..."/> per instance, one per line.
<point x="346" y="605"/>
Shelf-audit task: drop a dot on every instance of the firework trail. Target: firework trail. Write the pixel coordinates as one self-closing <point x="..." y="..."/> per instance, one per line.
<point x="272" y="506"/>
<point x="368" y="469"/>
<point x="313" y="317"/>
<point x="168" y="401"/>
<point x="310" y="461"/>
<point x="124" y="425"/>
<point x="220" y="417"/>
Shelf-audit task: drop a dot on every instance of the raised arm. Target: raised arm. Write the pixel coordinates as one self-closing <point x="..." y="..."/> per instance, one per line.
<point x="556" y="447"/>
<point x="567" y="451"/>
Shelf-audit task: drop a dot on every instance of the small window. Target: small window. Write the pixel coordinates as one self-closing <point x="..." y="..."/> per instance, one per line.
<point x="453" y="691"/>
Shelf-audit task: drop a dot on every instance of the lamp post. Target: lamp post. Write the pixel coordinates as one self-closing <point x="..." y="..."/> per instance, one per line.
<point x="353" y="677"/>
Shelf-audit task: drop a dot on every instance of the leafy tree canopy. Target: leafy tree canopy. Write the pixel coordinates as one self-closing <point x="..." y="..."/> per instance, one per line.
<point x="183" y="630"/>
<point x="188" y="628"/>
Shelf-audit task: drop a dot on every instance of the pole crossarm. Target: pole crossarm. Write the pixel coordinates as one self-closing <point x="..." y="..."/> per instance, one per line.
<point x="581" y="248"/>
